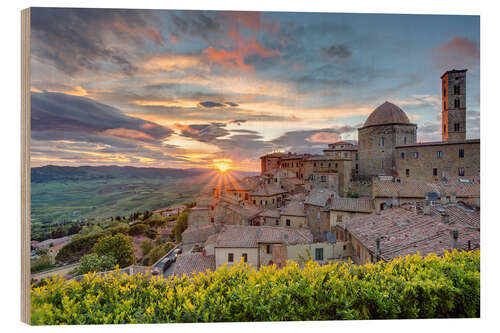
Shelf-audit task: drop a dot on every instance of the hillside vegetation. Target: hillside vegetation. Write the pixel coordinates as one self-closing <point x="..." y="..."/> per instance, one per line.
<point x="410" y="287"/>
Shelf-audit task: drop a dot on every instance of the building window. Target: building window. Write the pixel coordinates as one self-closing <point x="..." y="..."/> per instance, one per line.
<point x="403" y="156"/>
<point x="435" y="172"/>
<point x="408" y="172"/>
<point x="415" y="154"/>
<point x="329" y="164"/>
<point x="339" y="218"/>
<point x="357" y="166"/>
<point x="444" y="128"/>
<point x="457" y="127"/>
<point x="444" y="92"/>
<point x="405" y="140"/>
<point x="461" y="153"/>
<point x="336" y="165"/>
<point x="269" y="249"/>
<point x="439" y="154"/>
<point x="444" y="105"/>
<point x="212" y="220"/>
<point x="245" y="257"/>
<point x="457" y="103"/>
<point x="277" y="222"/>
<point x="230" y="257"/>
<point x="381" y="142"/>
<point x="254" y="202"/>
<point x="461" y="172"/>
<point x="287" y="222"/>
<point x="314" y="164"/>
<point x="358" y="251"/>
<point x="319" y="254"/>
<point x="456" y="90"/>
<point x="323" y="178"/>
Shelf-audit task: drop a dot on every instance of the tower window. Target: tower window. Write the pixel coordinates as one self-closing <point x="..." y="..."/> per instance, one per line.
<point x="461" y="153"/>
<point x="408" y="172"/>
<point x="457" y="103"/>
<point x="439" y="154"/>
<point x="461" y="172"/>
<point x="444" y="92"/>
<point x="435" y="172"/>
<point x="403" y="156"/>
<point x="457" y="127"/>
<point x="456" y="90"/>
<point x="381" y="142"/>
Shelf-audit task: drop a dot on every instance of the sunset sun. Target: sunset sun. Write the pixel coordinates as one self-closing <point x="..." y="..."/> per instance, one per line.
<point x="222" y="164"/>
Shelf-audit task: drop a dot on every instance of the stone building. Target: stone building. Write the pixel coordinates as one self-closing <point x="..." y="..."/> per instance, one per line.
<point x="454" y="98"/>
<point x="293" y="215"/>
<point x="267" y="196"/>
<point x="433" y="161"/>
<point x="387" y="127"/>
<point x="270" y="161"/>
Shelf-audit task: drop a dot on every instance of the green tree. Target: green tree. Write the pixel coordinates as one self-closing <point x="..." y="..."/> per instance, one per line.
<point x="138" y="229"/>
<point x="95" y="263"/>
<point x="180" y="226"/>
<point x="159" y="251"/>
<point x="119" y="247"/>
<point x="42" y="264"/>
<point x="146" y="246"/>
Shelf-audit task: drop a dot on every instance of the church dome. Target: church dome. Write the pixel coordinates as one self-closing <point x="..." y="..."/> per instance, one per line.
<point x="387" y="113"/>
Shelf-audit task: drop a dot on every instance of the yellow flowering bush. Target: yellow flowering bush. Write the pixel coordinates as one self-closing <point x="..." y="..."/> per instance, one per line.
<point x="409" y="287"/>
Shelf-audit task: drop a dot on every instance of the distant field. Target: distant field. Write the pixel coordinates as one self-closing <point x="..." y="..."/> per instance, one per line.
<point x="71" y="200"/>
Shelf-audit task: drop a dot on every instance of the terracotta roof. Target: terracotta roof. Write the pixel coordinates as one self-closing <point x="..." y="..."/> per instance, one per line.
<point x="275" y="213"/>
<point x="273" y="155"/>
<point x="250" y="236"/>
<point x="294" y="208"/>
<point x="352" y="205"/>
<point x="418" y="189"/>
<point x="267" y="190"/>
<point x="192" y="263"/>
<point x="296" y="197"/>
<point x="404" y="231"/>
<point x="387" y="113"/>
<point x="248" y="211"/>
<point x="440" y="143"/>
<point x="199" y="234"/>
<point x="318" y="197"/>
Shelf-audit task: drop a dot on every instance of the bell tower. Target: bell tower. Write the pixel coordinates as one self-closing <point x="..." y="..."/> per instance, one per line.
<point x="453" y="105"/>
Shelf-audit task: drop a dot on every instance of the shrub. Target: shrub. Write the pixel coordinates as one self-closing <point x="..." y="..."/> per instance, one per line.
<point x="159" y="251"/>
<point x="95" y="263"/>
<point x="146" y="246"/>
<point x="138" y="229"/>
<point x="410" y="287"/>
<point x="43" y="263"/>
<point x="119" y="247"/>
<point x="180" y="226"/>
<point x="79" y="247"/>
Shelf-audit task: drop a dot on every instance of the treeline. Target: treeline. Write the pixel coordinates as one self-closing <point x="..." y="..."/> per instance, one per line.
<point x="410" y="287"/>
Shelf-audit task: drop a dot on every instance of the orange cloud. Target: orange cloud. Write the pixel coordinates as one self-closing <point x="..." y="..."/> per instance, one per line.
<point x="242" y="48"/>
<point x="324" y="137"/>
<point x="127" y="133"/>
<point x="298" y="67"/>
<point x="253" y="21"/>
<point x="147" y="32"/>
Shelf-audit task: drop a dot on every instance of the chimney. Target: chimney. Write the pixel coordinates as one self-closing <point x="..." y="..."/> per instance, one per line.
<point x="453" y="197"/>
<point x="445" y="219"/>
<point x="377" y="248"/>
<point x="454" y="235"/>
<point x="427" y="207"/>
<point x="443" y="198"/>
<point x="415" y="205"/>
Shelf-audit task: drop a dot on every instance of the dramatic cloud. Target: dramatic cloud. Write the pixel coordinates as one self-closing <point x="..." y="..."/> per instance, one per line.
<point x="459" y="52"/>
<point x="209" y="104"/>
<point x="340" y="51"/>
<point x="60" y="112"/>
<point x="80" y="39"/>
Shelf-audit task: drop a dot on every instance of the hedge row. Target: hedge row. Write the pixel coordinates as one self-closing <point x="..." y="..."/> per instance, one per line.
<point x="410" y="287"/>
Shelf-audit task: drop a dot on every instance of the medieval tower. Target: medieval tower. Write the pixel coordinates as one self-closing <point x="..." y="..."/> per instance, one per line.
<point x="453" y="114"/>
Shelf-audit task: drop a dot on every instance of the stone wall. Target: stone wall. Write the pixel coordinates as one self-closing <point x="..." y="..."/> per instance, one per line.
<point x="295" y="221"/>
<point x="422" y="168"/>
<point x="221" y="256"/>
<point x="376" y="147"/>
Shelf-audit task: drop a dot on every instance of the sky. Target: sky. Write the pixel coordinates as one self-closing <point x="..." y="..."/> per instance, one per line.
<point x="180" y="89"/>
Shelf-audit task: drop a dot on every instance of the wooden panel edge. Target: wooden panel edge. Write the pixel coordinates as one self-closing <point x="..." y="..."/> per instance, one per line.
<point x="25" y="165"/>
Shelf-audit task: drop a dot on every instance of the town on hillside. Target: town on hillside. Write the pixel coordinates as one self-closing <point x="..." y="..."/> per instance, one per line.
<point x="380" y="197"/>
